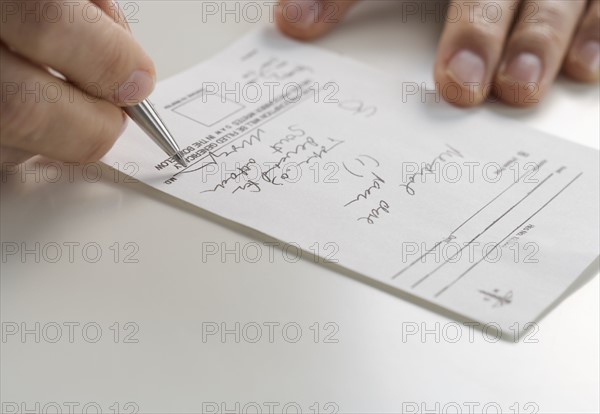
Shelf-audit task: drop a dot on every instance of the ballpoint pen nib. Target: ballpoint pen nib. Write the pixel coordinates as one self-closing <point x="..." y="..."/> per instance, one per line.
<point x="180" y="159"/>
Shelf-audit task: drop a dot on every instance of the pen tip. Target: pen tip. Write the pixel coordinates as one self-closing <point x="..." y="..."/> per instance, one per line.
<point x="181" y="160"/>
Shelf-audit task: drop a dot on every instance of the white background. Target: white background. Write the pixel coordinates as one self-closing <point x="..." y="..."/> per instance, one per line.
<point x="171" y="292"/>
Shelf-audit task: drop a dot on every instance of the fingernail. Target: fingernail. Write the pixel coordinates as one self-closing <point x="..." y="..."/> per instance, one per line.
<point x="466" y="67"/>
<point x="307" y="12"/>
<point x="590" y="55"/>
<point x="139" y="85"/>
<point x="524" y="68"/>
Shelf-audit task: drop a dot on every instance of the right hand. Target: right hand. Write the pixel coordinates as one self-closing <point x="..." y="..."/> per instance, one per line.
<point x="77" y="119"/>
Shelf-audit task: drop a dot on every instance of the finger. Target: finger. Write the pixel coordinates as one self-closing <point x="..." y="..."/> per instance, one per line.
<point x="9" y="157"/>
<point x="583" y="59"/>
<point x="470" y="49"/>
<point x="42" y="114"/>
<point x="112" y="9"/>
<point x="309" y="19"/>
<point x="536" y="48"/>
<point x="84" y="44"/>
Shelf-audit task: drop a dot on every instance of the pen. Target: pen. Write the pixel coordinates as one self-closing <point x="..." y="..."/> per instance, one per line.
<point x="148" y="119"/>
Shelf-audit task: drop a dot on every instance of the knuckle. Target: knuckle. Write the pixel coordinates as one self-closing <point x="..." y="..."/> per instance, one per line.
<point x="101" y="142"/>
<point x="113" y="64"/>
<point x="548" y="24"/>
<point x="547" y="13"/>
<point x="22" y="116"/>
<point x="539" y="37"/>
<point x="37" y="33"/>
<point x="595" y="11"/>
<point x="591" y="24"/>
<point x="483" y="32"/>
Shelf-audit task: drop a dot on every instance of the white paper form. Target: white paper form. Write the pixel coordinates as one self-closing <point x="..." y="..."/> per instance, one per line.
<point x="484" y="217"/>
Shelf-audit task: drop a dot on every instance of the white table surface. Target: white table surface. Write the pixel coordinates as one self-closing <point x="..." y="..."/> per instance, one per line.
<point x="170" y="294"/>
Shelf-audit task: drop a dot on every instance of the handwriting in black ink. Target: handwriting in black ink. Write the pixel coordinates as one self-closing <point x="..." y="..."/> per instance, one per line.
<point x="377" y="182"/>
<point x="376" y="213"/>
<point x="429" y="168"/>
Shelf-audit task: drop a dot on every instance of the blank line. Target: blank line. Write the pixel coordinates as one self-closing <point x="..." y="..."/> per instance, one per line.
<point x="484" y="230"/>
<point x="459" y="227"/>
<point x="507" y="236"/>
<point x="482" y="208"/>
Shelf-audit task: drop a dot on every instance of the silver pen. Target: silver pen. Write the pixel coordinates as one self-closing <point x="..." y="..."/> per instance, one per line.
<point x="146" y="116"/>
<point x="148" y="119"/>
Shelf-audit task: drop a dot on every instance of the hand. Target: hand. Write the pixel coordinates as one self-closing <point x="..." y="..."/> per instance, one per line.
<point x="75" y="117"/>
<point x="512" y="49"/>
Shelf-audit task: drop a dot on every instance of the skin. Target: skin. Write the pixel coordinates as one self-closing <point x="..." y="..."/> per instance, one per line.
<point x="511" y="48"/>
<point x="75" y="117"/>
